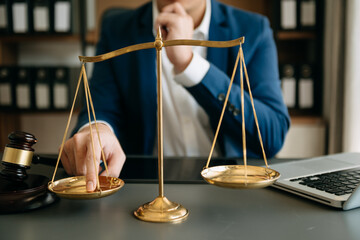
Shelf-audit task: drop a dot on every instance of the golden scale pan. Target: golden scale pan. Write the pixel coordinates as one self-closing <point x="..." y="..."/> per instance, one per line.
<point x="161" y="209"/>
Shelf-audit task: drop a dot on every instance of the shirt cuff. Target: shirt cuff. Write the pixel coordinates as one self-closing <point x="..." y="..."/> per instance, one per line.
<point x="93" y="122"/>
<point x="194" y="73"/>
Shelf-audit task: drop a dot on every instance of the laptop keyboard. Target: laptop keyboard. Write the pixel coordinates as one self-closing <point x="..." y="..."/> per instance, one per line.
<point x="338" y="183"/>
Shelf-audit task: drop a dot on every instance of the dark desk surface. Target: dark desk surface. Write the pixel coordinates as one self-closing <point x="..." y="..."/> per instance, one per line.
<point x="215" y="213"/>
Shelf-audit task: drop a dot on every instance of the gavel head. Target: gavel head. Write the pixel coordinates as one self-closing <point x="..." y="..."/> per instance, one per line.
<point x="18" y="155"/>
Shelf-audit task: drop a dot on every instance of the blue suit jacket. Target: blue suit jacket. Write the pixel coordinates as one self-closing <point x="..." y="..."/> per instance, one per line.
<point x="124" y="88"/>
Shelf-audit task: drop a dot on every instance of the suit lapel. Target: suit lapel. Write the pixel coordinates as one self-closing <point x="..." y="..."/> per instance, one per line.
<point x="218" y="31"/>
<point x="147" y="77"/>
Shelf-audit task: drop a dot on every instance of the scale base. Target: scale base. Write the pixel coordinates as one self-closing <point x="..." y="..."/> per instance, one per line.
<point x="161" y="210"/>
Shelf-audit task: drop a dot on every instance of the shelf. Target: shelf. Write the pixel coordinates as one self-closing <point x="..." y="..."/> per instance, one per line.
<point x="91" y="37"/>
<point x="307" y="120"/>
<point x="36" y="38"/>
<point x="296" y="35"/>
<point x="30" y="111"/>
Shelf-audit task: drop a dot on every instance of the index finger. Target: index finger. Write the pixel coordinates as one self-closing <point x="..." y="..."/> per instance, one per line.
<point x="91" y="168"/>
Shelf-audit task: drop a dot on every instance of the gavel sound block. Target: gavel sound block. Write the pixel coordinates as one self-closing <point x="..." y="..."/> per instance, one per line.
<point x="20" y="191"/>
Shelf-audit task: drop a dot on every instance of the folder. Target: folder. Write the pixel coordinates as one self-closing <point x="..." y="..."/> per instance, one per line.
<point x="42" y="89"/>
<point x="4" y="21"/>
<point x="307" y="14"/>
<point x="6" y="87"/>
<point x="24" y="88"/>
<point x="288" y="84"/>
<point x="61" y="88"/>
<point x="306" y="87"/>
<point x="21" y="14"/>
<point x="288" y="14"/>
<point x="42" y="16"/>
<point x="62" y="16"/>
<point x="90" y="15"/>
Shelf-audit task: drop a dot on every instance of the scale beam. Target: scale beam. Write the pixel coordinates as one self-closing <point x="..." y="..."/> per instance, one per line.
<point x="141" y="46"/>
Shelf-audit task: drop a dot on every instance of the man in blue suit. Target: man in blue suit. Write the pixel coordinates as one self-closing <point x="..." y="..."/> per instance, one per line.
<point x="195" y="83"/>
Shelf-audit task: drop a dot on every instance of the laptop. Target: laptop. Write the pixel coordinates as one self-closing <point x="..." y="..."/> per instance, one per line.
<point x="332" y="180"/>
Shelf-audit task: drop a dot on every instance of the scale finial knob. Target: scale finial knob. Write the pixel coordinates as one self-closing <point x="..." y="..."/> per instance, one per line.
<point x="158" y="40"/>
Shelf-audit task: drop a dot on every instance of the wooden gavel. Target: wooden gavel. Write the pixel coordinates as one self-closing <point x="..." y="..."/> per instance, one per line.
<point x="18" y="155"/>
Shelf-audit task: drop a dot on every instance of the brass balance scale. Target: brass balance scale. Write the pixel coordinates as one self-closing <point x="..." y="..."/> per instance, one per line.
<point x="161" y="209"/>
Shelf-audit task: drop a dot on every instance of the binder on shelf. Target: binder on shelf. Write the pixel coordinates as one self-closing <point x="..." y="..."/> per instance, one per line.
<point x="4" y="21"/>
<point x="6" y="88"/>
<point x="61" y="88"/>
<point x="62" y="16"/>
<point x="307" y="14"/>
<point x="306" y="87"/>
<point x="289" y="84"/>
<point x="42" y="16"/>
<point x="24" y="88"/>
<point x="21" y="16"/>
<point x="42" y="89"/>
<point x="288" y="14"/>
<point x="90" y="15"/>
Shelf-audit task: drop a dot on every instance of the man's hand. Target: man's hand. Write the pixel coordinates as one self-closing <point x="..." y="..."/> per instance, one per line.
<point x="77" y="157"/>
<point x="176" y="24"/>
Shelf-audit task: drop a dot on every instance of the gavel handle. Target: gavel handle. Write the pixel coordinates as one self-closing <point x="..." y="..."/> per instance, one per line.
<point x="46" y="159"/>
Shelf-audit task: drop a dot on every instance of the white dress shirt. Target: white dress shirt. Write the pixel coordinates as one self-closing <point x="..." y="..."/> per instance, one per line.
<point x="186" y="126"/>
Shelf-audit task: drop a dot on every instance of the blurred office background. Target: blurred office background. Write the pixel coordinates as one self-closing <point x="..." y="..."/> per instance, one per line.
<point x="40" y="42"/>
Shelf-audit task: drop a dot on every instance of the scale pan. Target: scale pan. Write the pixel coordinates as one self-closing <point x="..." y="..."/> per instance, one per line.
<point x="75" y="187"/>
<point x="239" y="176"/>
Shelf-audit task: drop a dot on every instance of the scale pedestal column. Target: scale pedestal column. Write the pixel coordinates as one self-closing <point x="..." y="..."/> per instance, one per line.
<point x="161" y="210"/>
